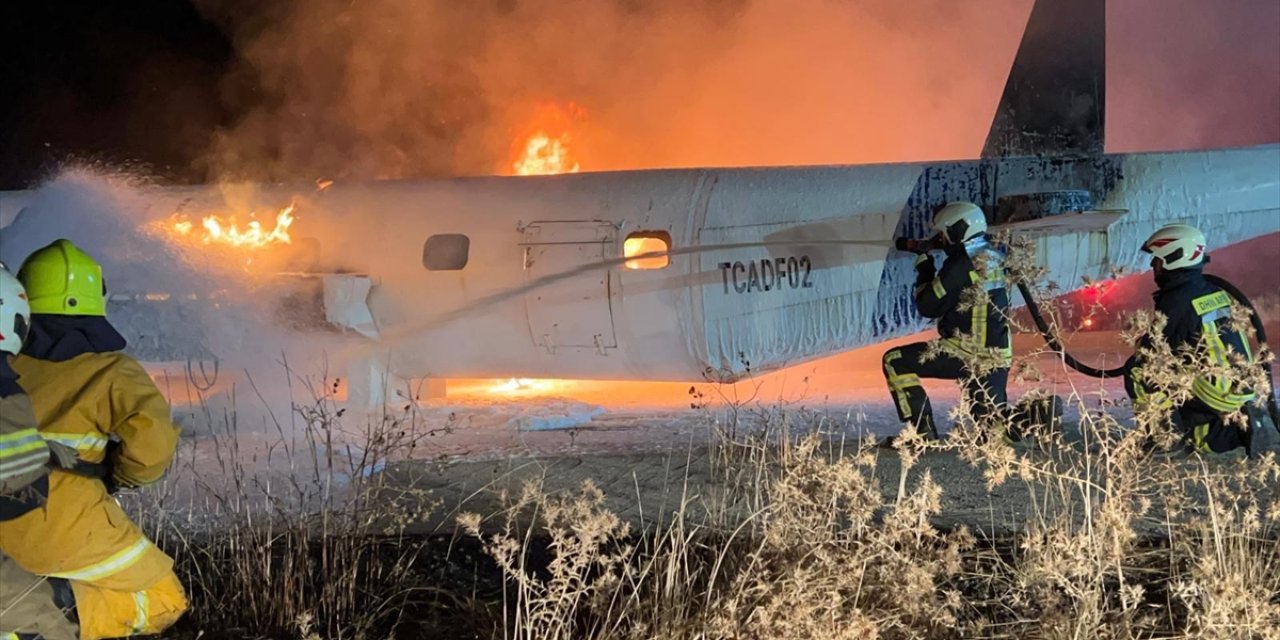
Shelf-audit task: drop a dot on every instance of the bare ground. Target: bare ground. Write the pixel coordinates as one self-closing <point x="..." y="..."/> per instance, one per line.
<point x="649" y="488"/>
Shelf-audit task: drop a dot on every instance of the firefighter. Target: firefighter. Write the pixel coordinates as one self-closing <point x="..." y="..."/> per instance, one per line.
<point x="88" y="395"/>
<point x="1198" y="314"/>
<point x="30" y="604"/>
<point x="24" y="455"/>
<point x="967" y="331"/>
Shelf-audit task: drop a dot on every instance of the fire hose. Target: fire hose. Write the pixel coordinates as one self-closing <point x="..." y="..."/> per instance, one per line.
<point x="935" y="242"/>
<point x="1051" y="339"/>
<point x="95" y="470"/>
<point x="1272" y="406"/>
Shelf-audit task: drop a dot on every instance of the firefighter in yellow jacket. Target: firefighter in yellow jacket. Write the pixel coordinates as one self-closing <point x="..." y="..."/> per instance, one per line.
<point x="89" y="395"/>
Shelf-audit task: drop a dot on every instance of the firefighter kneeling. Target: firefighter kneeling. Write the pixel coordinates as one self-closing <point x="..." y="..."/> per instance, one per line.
<point x="28" y="603"/>
<point x="969" y="331"/>
<point x="1199" y="316"/>
<point x="88" y="395"/>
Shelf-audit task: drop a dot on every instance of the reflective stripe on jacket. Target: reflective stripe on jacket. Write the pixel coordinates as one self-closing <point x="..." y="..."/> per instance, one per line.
<point x="975" y="328"/>
<point x="1198" y="314"/>
<point x="24" y="456"/>
<point x="23" y="453"/>
<point x="83" y="534"/>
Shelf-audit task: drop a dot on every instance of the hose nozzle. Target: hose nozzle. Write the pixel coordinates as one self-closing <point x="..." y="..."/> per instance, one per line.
<point x="913" y="245"/>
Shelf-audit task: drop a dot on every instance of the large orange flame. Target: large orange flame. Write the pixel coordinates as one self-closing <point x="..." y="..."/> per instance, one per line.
<point x="544" y="148"/>
<point x="544" y="156"/>
<point x="228" y="231"/>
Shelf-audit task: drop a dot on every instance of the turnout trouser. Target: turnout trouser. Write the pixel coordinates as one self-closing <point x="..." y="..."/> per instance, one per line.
<point x="904" y="367"/>
<point x="34" y="606"/>
<point x="123" y="584"/>
<point x="1200" y="426"/>
<point x="51" y="608"/>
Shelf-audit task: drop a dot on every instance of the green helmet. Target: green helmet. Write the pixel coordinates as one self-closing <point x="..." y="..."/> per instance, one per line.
<point x="60" y="279"/>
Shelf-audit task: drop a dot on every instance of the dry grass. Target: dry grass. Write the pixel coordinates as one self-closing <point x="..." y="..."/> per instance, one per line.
<point x="797" y="540"/>
<point x="820" y="552"/>
<point x="832" y="557"/>
<point x="301" y="535"/>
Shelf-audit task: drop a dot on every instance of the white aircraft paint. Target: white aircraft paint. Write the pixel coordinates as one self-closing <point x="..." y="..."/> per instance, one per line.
<point x="703" y="315"/>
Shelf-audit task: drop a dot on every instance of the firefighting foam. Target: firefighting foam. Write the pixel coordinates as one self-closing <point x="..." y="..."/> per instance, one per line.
<point x="80" y="208"/>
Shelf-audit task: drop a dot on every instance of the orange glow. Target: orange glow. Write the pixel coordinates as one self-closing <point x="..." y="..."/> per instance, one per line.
<point x="545" y="147"/>
<point x="230" y="232"/>
<point x="1088" y="322"/>
<point x="545" y="156"/>
<point x="525" y="386"/>
<point x="641" y="244"/>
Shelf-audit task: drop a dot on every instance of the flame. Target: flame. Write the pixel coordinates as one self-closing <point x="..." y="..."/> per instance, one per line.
<point x="228" y="231"/>
<point x="545" y="156"/>
<point x="523" y="385"/>
<point x="545" y="149"/>
<point x="644" y="245"/>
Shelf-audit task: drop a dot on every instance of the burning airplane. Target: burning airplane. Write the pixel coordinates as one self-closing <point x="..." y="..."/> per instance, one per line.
<point x="690" y="275"/>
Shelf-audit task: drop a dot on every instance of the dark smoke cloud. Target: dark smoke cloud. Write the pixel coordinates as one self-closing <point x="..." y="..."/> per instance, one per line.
<point x="392" y="88"/>
<point x="400" y="88"/>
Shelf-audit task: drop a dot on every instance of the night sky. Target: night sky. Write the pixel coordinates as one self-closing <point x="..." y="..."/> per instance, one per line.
<point x="136" y="82"/>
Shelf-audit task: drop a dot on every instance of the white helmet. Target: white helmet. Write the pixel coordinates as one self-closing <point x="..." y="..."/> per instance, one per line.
<point x="15" y="313"/>
<point x="958" y="222"/>
<point x="1177" y="245"/>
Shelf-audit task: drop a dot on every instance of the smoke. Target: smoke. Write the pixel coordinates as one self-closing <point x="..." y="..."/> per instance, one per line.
<point x="98" y="210"/>
<point x="394" y="88"/>
<point x="171" y="301"/>
<point x="1186" y="74"/>
<point x="303" y="89"/>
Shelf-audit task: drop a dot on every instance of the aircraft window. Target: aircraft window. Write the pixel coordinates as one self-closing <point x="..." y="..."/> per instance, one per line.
<point x="642" y="242"/>
<point x="446" y="252"/>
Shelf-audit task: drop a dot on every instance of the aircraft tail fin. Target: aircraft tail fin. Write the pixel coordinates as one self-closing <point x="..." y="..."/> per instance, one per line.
<point x="1054" y="101"/>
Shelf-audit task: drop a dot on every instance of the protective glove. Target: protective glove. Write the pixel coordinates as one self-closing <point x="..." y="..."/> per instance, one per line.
<point x="926" y="245"/>
<point x="109" y="460"/>
<point x="925" y="271"/>
<point x="62" y="456"/>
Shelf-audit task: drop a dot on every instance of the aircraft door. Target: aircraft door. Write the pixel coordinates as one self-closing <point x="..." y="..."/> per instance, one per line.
<point x="576" y="312"/>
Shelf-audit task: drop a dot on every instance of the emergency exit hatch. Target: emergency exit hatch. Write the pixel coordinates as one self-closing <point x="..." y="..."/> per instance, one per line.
<point x="576" y="312"/>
